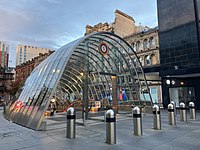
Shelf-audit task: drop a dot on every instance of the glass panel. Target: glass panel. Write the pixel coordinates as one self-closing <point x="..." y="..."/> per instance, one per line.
<point x="57" y="72"/>
<point x="154" y="94"/>
<point x="182" y="94"/>
<point x="145" y="97"/>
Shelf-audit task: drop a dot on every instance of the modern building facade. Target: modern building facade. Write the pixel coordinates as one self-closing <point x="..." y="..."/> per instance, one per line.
<point x="4" y="54"/>
<point x="26" y="52"/>
<point x="179" y="33"/>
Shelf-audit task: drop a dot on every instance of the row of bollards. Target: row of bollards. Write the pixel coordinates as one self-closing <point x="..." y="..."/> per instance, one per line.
<point x="183" y="114"/>
<point x="137" y="121"/>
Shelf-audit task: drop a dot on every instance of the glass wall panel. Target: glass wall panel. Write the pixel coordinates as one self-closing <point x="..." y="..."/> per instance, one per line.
<point x="70" y="62"/>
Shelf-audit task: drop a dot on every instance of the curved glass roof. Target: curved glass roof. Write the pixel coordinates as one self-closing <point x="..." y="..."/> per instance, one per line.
<point x="100" y="54"/>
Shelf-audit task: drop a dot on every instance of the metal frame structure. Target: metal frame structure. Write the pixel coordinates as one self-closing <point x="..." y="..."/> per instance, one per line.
<point x="79" y="68"/>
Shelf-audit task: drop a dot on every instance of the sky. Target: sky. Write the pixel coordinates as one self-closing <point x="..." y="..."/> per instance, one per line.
<point x="54" y="23"/>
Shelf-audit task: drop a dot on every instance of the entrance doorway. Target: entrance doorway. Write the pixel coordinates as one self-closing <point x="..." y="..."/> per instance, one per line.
<point x="182" y="94"/>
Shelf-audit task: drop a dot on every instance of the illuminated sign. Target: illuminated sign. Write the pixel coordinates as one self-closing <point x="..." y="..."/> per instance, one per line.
<point x="103" y="48"/>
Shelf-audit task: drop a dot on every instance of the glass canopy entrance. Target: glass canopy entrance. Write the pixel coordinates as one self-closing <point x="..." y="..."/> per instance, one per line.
<point x="97" y="68"/>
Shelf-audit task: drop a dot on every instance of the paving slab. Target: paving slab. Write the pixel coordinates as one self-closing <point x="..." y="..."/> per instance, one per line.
<point x="183" y="136"/>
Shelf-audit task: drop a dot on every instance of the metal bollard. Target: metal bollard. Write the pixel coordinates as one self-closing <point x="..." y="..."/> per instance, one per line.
<point x="175" y="112"/>
<point x="192" y="110"/>
<point x="105" y="114"/>
<point x="183" y="116"/>
<point x="110" y="127"/>
<point x="171" y="116"/>
<point x="137" y="122"/>
<point x="156" y="117"/>
<point x="71" y="130"/>
<point x="84" y="117"/>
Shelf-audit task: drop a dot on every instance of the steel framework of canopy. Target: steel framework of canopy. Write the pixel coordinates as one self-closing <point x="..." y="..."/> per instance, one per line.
<point x="84" y="68"/>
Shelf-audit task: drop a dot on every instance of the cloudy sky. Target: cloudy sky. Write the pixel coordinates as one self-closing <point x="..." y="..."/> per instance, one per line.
<point x="54" y="23"/>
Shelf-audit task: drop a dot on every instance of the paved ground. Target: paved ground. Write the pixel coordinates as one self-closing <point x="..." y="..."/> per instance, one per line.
<point x="183" y="136"/>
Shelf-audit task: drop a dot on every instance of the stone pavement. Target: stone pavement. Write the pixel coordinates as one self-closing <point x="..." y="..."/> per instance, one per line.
<point x="183" y="136"/>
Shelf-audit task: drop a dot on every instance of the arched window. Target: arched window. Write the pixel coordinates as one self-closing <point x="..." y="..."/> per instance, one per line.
<point x="129" y="62"/>
<point x="122" y="79"/>
<point x="145" y="44"/>
<point x="147" y="60"/>
<point x="153" y="59"/>
<point x="138" y="46"/>
<point x="133" y="46"/>
<point x="152" y="42"/>
<point x="140" y="59"/>
<point x="134" y="61"/>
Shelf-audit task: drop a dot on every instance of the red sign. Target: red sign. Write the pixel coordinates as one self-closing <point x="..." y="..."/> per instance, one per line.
<point x="19" y="104"/>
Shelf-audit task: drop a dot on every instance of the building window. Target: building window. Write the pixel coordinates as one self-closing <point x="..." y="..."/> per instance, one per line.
<point x="152" y="42"/>
<point x="118" y="80"/>
<point x="130" y="62"/>
<point x="20" y="52"/>
<point x="133" y="46"/>
<point x="25" y="54"/>
<point x="147" y="60"/>
<point x="129" y="78"/>
<point x="122" y="79"/>
<point x="140" y="59"/>
<point x="7" y="50"/>
<point x="145" y="44"/>
<point x="134" y="61"/>
<point x="154" y="94"/>
<point x="138" y="46"/>
<point x="3" y="58"/>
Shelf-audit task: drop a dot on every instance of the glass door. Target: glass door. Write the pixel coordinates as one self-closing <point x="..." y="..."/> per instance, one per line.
<point x="182" y="94"/>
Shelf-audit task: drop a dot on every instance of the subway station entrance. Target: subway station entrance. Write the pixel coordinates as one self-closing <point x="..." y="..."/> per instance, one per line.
<point x="96" y="72"/>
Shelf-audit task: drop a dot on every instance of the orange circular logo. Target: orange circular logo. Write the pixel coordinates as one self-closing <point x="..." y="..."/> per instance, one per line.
<point x="103" y="48"/>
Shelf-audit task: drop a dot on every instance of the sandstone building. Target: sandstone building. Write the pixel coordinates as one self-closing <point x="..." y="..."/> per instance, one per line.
<point x="123" y="25"/>
<point x="24" y="70"/>
<point x="145" y="43"/>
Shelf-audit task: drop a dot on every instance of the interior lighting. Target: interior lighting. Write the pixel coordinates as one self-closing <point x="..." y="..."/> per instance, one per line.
<point x="168" y="82"/>
<point x="173" y="82"/>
